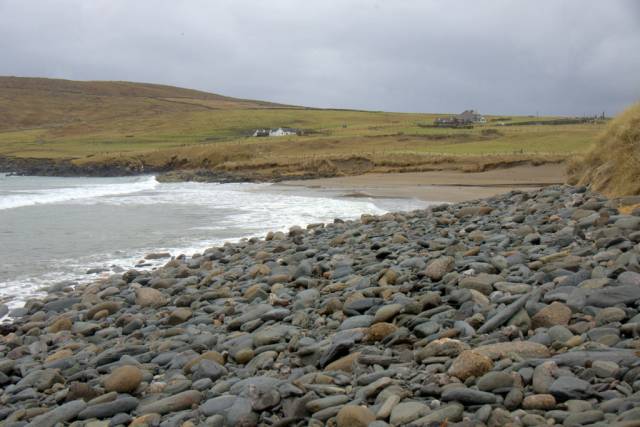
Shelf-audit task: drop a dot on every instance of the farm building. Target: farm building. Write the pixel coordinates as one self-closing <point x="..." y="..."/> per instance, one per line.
<point x="276" y="132"/>
<point x="467" y="117"/>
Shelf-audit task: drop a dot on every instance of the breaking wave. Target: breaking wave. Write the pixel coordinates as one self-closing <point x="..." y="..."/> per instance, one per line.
<point x="22" y="198"/>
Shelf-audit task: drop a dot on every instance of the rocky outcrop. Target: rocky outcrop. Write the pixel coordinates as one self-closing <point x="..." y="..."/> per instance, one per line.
<point x="66" y="167"/>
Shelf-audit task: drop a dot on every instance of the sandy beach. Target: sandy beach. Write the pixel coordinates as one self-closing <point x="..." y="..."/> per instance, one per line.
<point x="443" y="186"/>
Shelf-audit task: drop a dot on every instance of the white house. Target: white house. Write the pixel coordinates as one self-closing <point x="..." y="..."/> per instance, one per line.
<point x="283" y="132"/>
<point x="275" y="132"/>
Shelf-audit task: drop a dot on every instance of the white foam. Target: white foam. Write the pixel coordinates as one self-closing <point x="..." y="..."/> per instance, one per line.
<point x="236" y="211"/>
<point x="88" y="191"/>
<point x="255" y="206"/>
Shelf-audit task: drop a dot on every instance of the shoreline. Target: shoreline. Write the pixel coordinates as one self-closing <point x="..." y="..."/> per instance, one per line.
<point x="431" y="187"/>
<point x="439" y="186"/>
<point x="20" y="285"/>
<point x="170" y="173"/>
<point x="491" y="312"/>
<point x="448" y="185"/>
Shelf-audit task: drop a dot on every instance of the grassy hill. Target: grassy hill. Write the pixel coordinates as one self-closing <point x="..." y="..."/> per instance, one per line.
<point x="167" y="128"/>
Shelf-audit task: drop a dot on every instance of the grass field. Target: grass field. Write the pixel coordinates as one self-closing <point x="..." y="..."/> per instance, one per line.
<point x="166" y="127"/>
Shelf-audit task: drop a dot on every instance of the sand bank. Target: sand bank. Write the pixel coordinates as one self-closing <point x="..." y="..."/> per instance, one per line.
<point x="444" y="186"/>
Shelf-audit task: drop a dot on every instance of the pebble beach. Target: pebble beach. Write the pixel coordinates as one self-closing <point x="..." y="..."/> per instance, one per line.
<point x="519" y="309"/>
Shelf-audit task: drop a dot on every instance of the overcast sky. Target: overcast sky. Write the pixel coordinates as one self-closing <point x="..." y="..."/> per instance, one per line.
<point x="497" y="56"/>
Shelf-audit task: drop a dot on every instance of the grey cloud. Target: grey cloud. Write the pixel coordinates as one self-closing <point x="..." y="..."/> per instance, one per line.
<point x="551" y="56"/>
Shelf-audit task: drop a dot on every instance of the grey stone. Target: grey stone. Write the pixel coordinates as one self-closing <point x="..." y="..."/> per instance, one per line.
<point x="261" y="361"/>
<point x="468" y="396"/>
<point x="217" y="405"/>
<point x="514" y="398"/>
<point x="109" y="409"/>
<point x="609" y="315"/>
<point x="260" y="382"/>
<point x="630" y="278"/>
<point x="451" y="413"/>
<point x="254" y="313"/>
<point x="174" y="403"/>
<point x="240" y="413"/>
<point x="605" y="369"/>
<point x="427" y="328"/>
<point x="574" y="405"/>
<point x="41" y="380"/>
<point x="61" y="304"/>
<point x="482" y="283"/>
<point x="327" y="402"/>
<point x="387" y="312"/>
<point x="208" y="369"/>
<point x="559" y="333"/>
<point x="566" y="387"/>
<point x="543" y="377"/>
<point x="263" y="399"/>
<point x="308" y="297"/>
<point x="628" y="223"/>
<point x="60" y="414"/>
<point x="623" y="357"/>
<point x="363" y="321"/>
<point x="494" y="380"/>
<point x="613" y="295"/>
<point x="503" y="316"/>
<point x="120" y="419"/>
<point x="583" y="418"/>
<point x="405" y="412"/>
<point x="437" y="268"/>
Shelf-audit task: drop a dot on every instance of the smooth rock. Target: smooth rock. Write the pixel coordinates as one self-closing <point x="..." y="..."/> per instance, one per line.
<point x="470" y="363"/>
<point x="544" y="402"/>
<point x="437" y="268"/>
<point x="123" y="404"/>
<point x="179" y="315"/>
<point x="468" y="396"/>
<point x="494" y="380"/>
<point x="566" y="387"/>
<point x="555" y="313"/>
<point x="405" y="412"/>
<point x="124" y="379"/>
<point x="60" y="414"/>
<point x="177" y="402"/>
<point x="448" y="413"/>
<point x="354" y="416"/>
<point x="150" y="297"/>
<point x="523" y="349"/>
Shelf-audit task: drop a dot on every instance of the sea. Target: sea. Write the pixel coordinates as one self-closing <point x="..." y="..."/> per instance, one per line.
<point x="75" y="230"/>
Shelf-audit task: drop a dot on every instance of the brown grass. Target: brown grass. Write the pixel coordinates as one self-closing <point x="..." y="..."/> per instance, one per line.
<point x="612" y="166"/>
<point x="66" y="107"/>
<point x="98" y="124"/>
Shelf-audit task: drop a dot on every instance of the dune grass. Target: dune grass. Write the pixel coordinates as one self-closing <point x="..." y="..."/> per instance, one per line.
<point x="612" y="166"/>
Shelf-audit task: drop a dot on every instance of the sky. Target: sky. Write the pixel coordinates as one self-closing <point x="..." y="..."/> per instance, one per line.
<point x="569" y="57"/>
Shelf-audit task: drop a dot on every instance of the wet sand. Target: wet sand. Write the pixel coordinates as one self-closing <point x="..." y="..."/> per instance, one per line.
<point x="440" y="186"/>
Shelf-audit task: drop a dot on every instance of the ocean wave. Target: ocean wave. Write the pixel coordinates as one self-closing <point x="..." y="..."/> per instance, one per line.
<point x="65" y="194"/>
<point x="189" y="218"/>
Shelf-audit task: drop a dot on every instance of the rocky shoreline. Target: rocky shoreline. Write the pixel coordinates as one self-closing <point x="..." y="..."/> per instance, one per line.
<point x="521" y="309"/>
<point x="180" y="170"/>
<point x="132" y="166"/>
<point x="128" y="167"/>
<point x="66" y="168"/>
